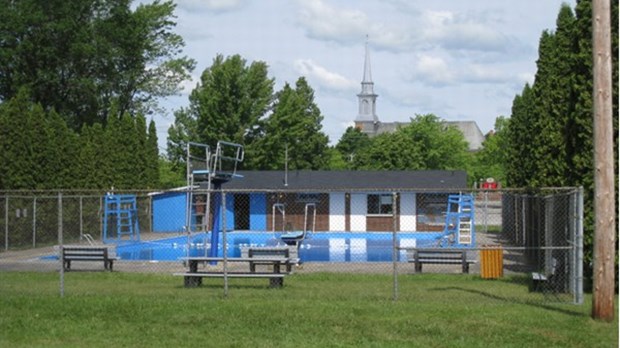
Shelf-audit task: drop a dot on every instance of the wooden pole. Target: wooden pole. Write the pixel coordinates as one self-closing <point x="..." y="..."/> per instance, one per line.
<point x="604" y="200"/>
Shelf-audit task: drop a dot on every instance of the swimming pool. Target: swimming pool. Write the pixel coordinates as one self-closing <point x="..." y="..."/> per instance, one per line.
<point x="317" y="247"/>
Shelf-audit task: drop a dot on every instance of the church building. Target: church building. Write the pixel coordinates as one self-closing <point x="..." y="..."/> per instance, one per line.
<point x="368" y="122"/>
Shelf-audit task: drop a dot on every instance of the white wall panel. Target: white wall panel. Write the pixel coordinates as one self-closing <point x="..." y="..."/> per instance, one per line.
<point x="358" y="211"/>
<point x="408" y="211"/>
<point x="336" y="212"/>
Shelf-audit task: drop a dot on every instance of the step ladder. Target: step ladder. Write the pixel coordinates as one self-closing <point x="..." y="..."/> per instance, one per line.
<point x="461" y="212"/>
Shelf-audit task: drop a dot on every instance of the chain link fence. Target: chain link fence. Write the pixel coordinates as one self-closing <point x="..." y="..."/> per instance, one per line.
<point x="526" y="237"/>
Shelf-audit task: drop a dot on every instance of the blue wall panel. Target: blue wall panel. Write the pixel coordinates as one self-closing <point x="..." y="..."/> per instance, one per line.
<point x="230" y="212"/>
<point x="258" y="211"/>
<point x="169" y="212"/>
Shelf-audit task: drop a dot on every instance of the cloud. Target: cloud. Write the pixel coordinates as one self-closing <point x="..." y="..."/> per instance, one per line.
<point x="459" y="31"/>
<point x="217" y="6"/>
<point x="407" y="29"/>
<point x="433" y="70"/>
<point x="349" y="27"/>
<point x="325" y="22"/>
<point x="324" y="77"/>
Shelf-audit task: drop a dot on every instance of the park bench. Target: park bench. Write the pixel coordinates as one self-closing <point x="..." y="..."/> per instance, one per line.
<point x="542" y="281"/>
<point x="193" y="277"/>
<point x="440" y="256"/>
<point x="87" y="253"/>
<point x="259" y="254"/>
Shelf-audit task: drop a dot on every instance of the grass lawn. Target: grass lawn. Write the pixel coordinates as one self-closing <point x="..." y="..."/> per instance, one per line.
<point x="102" y="309"/>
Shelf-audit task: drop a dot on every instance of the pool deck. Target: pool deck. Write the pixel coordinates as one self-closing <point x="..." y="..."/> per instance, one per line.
<point x="31" y="260"/>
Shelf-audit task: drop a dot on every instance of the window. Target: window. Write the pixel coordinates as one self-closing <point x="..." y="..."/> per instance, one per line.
<point x="308" y="198"/>
<point x="380" y="204"/>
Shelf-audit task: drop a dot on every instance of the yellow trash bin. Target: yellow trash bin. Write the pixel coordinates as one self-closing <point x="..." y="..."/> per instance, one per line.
<point x="491" y="261"/>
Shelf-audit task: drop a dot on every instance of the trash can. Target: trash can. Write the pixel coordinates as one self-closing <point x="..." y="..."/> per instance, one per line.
<point x="491" y="262"/>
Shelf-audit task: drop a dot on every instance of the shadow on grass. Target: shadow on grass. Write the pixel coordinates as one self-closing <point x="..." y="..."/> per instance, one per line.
<point x="236" y="286"/>
<point x="513" y="300"/>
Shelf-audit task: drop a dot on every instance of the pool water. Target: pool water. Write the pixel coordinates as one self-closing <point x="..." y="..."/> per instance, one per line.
<point x="316" y="247"/>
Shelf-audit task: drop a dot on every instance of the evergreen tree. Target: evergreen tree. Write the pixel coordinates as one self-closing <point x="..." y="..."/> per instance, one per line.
<point x="89" y="174"/>
<point x="293" y="130"/>
<point x="152" y="157"/>
<point x="520" y="166"/>
<point x="550" y="132"/>
<point x="553" y="97"/>
<point x="141" y="158"/>
<point x="23" y="136"/>
<point x="61" y="154"/>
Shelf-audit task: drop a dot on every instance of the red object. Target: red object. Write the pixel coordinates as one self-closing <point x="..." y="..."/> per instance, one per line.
<point x="489" y="184"/>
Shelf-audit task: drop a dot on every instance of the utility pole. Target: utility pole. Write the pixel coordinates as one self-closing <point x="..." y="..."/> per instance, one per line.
<point x="604" y="199"/>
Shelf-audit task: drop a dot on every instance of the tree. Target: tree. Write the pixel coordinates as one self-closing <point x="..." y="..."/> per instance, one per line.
<point x="425" y="143"/>
<point x="81" y="57"/>
<point x="181" y="132"/>
<point x="441" y="146"/>
<point x="23" y="136"/>
<point x="293" y="130"/>
<point x="227" y="104"/>
<point x="61" y="153"/>
<point x="552" y="101"/>
<point x="390" y="151"/>
<point x="520" y="167"/>
<point x="152" y="157"/>
<point x="551" y="127"/>
<point x="352" y="143"/>
<point x="92" y="164"/>
<point x="490" y="161"/>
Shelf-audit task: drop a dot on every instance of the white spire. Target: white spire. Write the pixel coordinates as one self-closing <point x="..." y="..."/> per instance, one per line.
<point x="367" y="75"/>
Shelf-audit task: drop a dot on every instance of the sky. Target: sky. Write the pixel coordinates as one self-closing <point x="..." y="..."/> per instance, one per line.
<point x="459" y="60"/>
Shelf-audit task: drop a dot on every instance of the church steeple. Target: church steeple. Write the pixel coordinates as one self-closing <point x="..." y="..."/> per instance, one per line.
<point x="367" y="83"/>
<point x="367" y="119"/>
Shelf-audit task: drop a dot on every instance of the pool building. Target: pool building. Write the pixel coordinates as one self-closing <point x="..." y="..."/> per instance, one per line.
<point x="345" y="201"/>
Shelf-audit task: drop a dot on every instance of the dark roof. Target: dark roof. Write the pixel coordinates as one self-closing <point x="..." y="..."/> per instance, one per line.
<point x="345" y="179"/>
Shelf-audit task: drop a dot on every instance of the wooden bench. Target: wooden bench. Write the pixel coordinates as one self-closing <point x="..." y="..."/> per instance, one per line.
<point x="87" y="253"/>
<point x="440" y="256"/>
<point x="193" y="277"/>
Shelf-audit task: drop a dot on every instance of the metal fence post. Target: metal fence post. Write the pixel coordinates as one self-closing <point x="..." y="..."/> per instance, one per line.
<point x="81" y="220"/>
<point x="34" y="222"/>
<point x="6" y="223"/>
<point x="224" y="242"/>
<point x="394" y="246"/>
<point x="60" y="247"/>
<point x="486" y="211"/>
<point x="579" y="246"/>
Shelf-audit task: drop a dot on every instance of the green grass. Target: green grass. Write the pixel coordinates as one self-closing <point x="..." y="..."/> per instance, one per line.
<point x="116" y="309"/>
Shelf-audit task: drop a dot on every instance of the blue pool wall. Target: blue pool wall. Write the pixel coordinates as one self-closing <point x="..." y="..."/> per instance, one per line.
<point x="318" y="247"/>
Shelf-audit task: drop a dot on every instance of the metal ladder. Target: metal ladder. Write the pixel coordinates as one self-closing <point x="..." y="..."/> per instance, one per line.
<point x="198" y="170"/>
